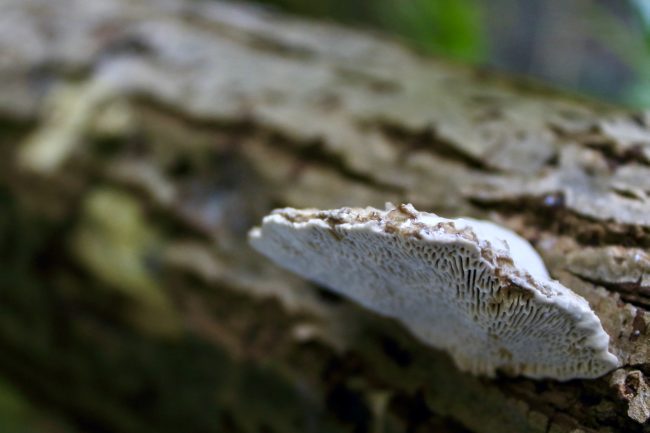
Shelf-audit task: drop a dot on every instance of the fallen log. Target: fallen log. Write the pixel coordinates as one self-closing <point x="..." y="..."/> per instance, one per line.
<point x="141" y="141"/>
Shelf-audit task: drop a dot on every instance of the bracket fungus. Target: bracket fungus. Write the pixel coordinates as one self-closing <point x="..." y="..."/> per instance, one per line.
<point x="470" y="287"/>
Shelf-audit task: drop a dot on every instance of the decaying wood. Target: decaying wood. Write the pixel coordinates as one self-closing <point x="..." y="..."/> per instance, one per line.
<point x="141" y="140"/>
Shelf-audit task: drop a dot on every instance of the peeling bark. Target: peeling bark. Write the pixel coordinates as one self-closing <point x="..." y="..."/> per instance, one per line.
<point x="141" y="140"/>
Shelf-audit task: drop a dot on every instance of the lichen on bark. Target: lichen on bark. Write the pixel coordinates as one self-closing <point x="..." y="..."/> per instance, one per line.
<point x="196" y="118"/>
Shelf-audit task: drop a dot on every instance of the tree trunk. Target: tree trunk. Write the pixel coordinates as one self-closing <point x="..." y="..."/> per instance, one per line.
<point x="140" y="141"/>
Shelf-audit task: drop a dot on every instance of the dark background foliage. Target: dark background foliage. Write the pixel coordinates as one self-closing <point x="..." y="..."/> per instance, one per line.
<point x="599" y="48"/>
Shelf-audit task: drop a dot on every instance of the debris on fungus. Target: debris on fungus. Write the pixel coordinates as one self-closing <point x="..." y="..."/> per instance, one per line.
<point x="470" y="287"/>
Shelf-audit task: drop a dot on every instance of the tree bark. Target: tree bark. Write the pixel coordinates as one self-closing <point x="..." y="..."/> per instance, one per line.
<point x="140" y="141"/>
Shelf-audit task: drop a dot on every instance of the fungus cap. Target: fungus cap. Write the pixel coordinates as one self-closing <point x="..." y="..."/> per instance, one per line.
<point x="470" y="287"/>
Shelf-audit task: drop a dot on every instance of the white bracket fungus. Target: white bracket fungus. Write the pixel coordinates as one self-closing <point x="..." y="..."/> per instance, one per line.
<point x="469" y="287"/>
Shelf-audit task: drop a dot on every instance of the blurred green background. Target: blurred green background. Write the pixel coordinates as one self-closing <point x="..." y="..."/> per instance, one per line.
<point x="594" y="47"/>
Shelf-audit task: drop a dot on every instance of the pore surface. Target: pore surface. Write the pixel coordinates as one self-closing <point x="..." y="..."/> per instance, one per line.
<point x="454" y="283"/>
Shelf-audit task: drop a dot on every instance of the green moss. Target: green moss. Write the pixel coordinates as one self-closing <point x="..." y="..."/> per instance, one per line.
<point x="118" y="245"/>
<point x="62" y="345"/>
<point x="16" y="414"/>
